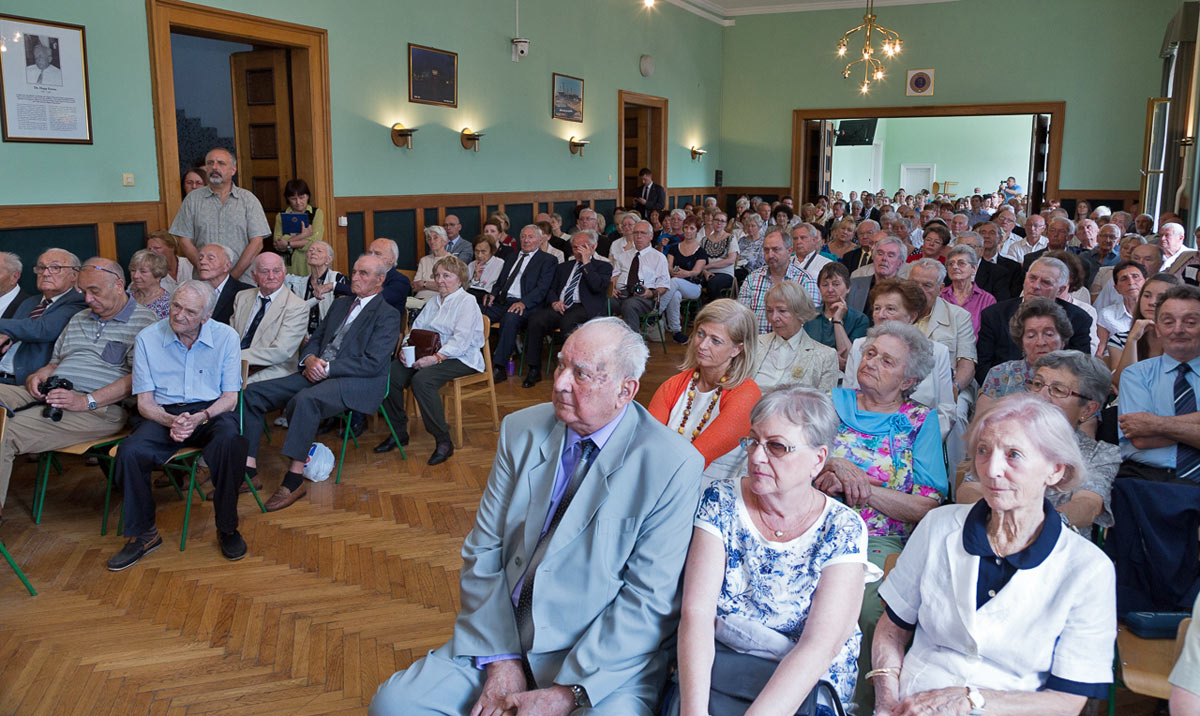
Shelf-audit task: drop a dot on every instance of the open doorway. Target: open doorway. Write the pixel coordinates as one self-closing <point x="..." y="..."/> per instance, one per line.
<point x="641" y="141"/>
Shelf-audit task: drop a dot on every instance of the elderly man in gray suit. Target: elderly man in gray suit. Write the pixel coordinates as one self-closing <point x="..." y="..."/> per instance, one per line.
<point x="344" y="367"/>
<point x="570" y="581"/>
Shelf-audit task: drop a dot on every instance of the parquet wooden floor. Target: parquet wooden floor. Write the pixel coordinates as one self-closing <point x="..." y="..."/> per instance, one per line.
<point x="337" y="592"/>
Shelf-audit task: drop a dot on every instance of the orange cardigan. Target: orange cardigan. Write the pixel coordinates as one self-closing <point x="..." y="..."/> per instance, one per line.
<point x="723" y="432"/>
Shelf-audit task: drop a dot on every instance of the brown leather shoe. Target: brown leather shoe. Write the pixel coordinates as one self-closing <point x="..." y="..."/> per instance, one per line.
<point x="284" y="497"/>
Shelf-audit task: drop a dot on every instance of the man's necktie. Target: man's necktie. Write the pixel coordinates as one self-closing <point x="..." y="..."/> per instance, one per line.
<point x="40" y="75"/>
<point x="646" y="192"/>
<point x="524" y="612"/>
<point x="262" y="308"/>
<point x="632" y="279"/>
<point x="335" y="345"/>
<point x="1187" y="458"/>
<point x="569" y="293"/>
<point x="39" y="309"/>
<point x="512" y="277"/>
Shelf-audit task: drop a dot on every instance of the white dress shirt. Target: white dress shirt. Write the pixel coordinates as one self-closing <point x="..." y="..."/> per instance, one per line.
<point x="1017" y="247"/>
<point x="652" y="268"/>
<point x="457" y="319"/>
<point x="491" y="272"/>
<point x="523" y="261"/>
<point x="8" y="298"/>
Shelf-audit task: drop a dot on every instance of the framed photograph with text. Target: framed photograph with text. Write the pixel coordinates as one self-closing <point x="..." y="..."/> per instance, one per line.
<point x="44" y="82"/>
<point x="432" y="76"/>
<point x="567" y="102"/>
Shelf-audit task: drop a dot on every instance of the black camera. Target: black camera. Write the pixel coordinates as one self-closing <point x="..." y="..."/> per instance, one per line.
<point x="51" y="383"/>
<point x="638" y="288"/>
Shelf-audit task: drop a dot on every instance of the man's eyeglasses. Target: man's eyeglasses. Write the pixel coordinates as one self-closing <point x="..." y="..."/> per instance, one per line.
<point x="53" y="269"/>
<point x="1057" y="390"/>
<point x="774" y="448"/>
<point x="94" y="267"/>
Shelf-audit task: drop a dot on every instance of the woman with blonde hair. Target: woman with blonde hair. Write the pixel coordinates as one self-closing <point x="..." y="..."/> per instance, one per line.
<point x="709" y="402"/>
<point x="788" y="355"/>
<point x="179" y="269"/>
<point x="146" y="272"/>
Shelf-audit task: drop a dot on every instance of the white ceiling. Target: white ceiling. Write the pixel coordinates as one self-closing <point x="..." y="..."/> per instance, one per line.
<point x="721" y="11"/>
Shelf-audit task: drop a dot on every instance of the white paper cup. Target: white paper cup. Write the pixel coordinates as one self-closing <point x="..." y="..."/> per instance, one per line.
<point x="410" y="355"/>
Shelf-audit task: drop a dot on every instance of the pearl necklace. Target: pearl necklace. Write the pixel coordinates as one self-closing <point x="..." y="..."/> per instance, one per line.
<point x="691" y="396"/>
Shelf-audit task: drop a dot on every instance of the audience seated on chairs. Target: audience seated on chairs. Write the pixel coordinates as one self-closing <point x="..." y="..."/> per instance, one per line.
<point x="788" y="355"/>
<point x="27" y="339"/>
<point x="1079" y="385"/>
<point x="806" y="247"/>
<point x="709" y="402"/>
<point x="95" y="354"/>
<point x="455" y="317"/>
<point x="345" y="367"/>
<point x="1141" y="341"/>
<point x="423" y="284"/>
<point x="456" y="243"/>
<point x="685" y="264"/>
<point x="578" y="293"/>
<point x="187" y="371"/>
<point x="836" y="324"/>
<point x="522" y="288"/>
<point x="865" y="236"/>
<point x="146" y="271"/>
<point x="396" y="287"/>
<point x="1160" y="436"/>
<point x="271" y="321"/>
<point x="962" y="268"/>
<point x="11" y="293"/>
<point x="317" y="287"/>
<point x="493" y="232"/>
<point x="779" y="266"/>
<point x="213" y="264"/>
<point x="888" y="255"/>
<point x="607" y="247"/>
<point x="546" y="227"/>
<point x="1117" y="318"/>
<point x="997" y="274"/>
<point x="722" y="250"/>
<point x="1046" y="278"/>
<point x="1039" y="326"/>
<point x="179" y="269"/>
<point x="640" y="277"/>
<point x="484" y="270"/>
<point x="604" y="648"/>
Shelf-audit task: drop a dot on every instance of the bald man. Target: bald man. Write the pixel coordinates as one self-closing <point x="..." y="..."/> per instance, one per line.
<point x="271" y="320"/>
<point x="27" y="338"/>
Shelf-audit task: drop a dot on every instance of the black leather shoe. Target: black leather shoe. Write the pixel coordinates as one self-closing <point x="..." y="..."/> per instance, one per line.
<point x="441" y="453"/>
<point x="533" y="376"/>
<point x="133" y="550"/>
<point x="233" y="547"/>
<point x="387" y="445"/>
<point x="358" y="428"/>
<point x="499" y="375"/>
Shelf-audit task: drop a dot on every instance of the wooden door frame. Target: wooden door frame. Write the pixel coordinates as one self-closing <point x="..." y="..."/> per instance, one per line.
<point x="658" y="155"/>
<point x="310" y="94"/>
<point x="1056" y="110"/>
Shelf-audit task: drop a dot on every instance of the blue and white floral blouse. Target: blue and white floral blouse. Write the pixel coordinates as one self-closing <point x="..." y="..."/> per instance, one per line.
<point x="773" y="583"/>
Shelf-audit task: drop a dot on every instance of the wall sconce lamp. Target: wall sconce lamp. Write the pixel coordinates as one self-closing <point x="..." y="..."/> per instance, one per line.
<point x="401" y="136"/>
<point x="577" y="145"/>
<point x="469" y="139"/>
<point x="697" y="153"/>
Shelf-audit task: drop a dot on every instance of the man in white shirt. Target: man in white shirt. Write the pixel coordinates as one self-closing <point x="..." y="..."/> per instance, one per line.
<point x="1170" y="238"/>
<point x="1016" y="248"/>
<point x="41" y="72"/>
<point x="806" y="247"/>
<point x="640" y="277"/>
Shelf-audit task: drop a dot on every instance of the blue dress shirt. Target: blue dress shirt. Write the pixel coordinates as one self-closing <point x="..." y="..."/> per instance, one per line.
<point x="1148" y="386"/>
<point x="176" y="374"/>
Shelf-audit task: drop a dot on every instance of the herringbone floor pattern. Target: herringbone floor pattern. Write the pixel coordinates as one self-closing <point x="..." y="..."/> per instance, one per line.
<point x="337" y="592"/>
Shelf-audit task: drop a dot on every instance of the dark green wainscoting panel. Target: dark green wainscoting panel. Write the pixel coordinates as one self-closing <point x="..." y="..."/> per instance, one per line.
<point x="468" y="216"/>
<point x="606" y="207"/>
<point x="566" y="209"/>
<point x="131" y="238"/>
<point x="27" y="244"/>
<point x="520" y="215"/>
<point x="400" y="226"/>
<point x="355" y="245"/>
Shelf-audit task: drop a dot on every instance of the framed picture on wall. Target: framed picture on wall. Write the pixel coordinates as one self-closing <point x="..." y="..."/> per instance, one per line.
<point x="432" y="76"/>
<point x="567" y="102"/>
<point x="44" y="82"/>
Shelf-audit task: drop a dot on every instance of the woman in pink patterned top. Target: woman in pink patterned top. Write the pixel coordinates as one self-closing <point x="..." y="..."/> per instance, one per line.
<point x="886" y="461"/>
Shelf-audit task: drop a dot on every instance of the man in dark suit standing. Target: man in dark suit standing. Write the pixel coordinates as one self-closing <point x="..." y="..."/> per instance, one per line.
<point x="650" y="196"/>
<point x="1046" y="278"/>
<point x="521" y="289"/>
<point x="11" y="295"/>
<point x="214" y="264"/>
<point x="27" y="339"/>
<point x="344" y="367"/>
<point x="578" y="292"/>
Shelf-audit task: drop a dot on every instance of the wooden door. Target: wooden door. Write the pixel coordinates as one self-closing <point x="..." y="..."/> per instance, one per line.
<point x="819" y="143"/>
<point x="262" y="117"/>
<point x="1039" y="152"/>
<point x="636" y="129"/>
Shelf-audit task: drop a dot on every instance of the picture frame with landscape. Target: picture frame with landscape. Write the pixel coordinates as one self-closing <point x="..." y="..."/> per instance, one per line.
<point x="567" y="98"/>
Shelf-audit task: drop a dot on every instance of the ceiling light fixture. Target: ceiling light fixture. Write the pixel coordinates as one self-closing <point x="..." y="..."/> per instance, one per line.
<point x="648" y="3"/>
<point x="872" y="68"/>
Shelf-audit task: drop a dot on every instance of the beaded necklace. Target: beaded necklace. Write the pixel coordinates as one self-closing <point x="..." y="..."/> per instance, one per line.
<point x="691" y="396"/>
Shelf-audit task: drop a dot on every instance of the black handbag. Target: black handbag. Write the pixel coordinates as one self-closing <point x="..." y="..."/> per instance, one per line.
<point x="737" y="679"/>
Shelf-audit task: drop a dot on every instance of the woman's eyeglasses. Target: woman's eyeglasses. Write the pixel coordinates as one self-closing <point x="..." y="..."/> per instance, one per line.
<point x="774" y="448"/>
<point x="1057" y="390"/>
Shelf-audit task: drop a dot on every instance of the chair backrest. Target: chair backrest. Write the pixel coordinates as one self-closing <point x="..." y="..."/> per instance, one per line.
<point x="245" y="372"/>
<point x="3" y="421"/>
<point x="487" y="344"/>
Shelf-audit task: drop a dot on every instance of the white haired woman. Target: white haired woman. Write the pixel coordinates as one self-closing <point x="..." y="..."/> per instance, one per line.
<point x="146" y="272"/>
<point x="1008" y="612"/>
<point x="1039" y="326"/>
<point x="317" y="288"/>
<point x="788" y="355"/>
<point x="423" y="283"/>
<point x="1079" y="385"/>
<point x="774" y="574"/>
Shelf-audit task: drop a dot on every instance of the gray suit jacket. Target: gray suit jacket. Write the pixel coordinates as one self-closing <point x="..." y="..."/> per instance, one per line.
<point x="607" y="593"/>
<point x="860" y="290"/>
<point x="463" y="249"/>
<point x="363" y="363"/>
<point x="277" y="340"/>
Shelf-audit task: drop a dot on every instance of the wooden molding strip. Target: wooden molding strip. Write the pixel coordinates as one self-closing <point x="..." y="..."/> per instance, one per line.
<point x="41" y="215"/>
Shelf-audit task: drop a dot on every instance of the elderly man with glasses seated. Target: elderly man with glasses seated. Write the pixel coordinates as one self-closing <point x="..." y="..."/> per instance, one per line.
<point x="27" y="338"/>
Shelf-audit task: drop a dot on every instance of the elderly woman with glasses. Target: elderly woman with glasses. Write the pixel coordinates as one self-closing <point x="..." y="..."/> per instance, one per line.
<point x="424" y="284"/>
<point x="146" y="272"/>
<point x="1007" y="611"/>
<point x="1079" y="385"/>
<point x="774" y="574"/>
<point x="1039" y="326"/>
<point x="961" y="264"/>
<point x="788" y="355"/>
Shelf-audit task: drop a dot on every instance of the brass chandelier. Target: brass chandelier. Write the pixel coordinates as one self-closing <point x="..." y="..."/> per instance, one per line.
<point x="872" y="68"/>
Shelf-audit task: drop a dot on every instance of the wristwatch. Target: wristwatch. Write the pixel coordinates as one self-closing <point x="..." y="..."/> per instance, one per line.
<point x="976" y="699"/>
<point x="91" y="402"/>
<point x="581" y="696"/>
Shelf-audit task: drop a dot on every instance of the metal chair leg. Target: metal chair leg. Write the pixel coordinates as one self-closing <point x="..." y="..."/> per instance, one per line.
<point x="20" y="575"/>
<point x="39" y="495"/>
<point x="112" y="468"/>
<point x="254" y="491"/>
<point x="187" y="511"/>
<point x="345" y="439"/>
<point x="392" y="430"/>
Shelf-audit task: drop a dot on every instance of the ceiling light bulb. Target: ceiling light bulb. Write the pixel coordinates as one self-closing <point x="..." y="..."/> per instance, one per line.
<point x="841" y="51"/>
<point x="865" y="86"/>
<point x="648" y="3"/>
<point x="878" y="74"/>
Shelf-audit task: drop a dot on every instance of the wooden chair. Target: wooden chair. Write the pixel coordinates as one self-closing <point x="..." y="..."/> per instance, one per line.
<point x="99" y="449"/>
<point x="487" y="387"/>
<point x="4" y="550"/>
<point x="1145" y="664"/>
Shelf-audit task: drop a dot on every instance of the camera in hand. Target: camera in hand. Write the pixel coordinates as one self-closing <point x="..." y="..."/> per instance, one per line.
<point x="638" y="288"/>
<point x="51" y="383"/>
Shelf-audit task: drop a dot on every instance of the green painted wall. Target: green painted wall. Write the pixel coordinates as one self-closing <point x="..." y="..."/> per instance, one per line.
<point x="1099" y="56"/>
<point x="598" y="40"/>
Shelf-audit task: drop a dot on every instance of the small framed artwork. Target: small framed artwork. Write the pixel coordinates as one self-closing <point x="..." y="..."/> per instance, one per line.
<point x="568" y="98"/>
<point x="432" y="76"/>
<point x="43" y="82"/>
<point x="920" y="83"/>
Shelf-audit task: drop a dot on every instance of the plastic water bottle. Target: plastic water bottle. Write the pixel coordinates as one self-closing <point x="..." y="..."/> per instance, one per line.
<point x="512" y="367"/>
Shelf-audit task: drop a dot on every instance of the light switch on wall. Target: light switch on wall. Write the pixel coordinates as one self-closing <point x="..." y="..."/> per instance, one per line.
<point x="343" y="221"/>
<point x="127" y="179"/>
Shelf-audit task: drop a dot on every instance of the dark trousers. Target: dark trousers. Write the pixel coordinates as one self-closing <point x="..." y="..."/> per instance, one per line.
<point x="510" y="325"/>
<point x="718" y="283"/>
<point x="632" y="310"/>
<point x="425" y="384"/>
<point x="1142" y="471"/>
<point x="304" y="405"/>
<point x="544" y="321"/>
<point x="150" y="445"/>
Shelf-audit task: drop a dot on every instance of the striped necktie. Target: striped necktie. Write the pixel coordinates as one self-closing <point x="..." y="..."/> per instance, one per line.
<point x="569" y="292"/>
<point x="1187" y="458"/>
<point x="39" y="309"/>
